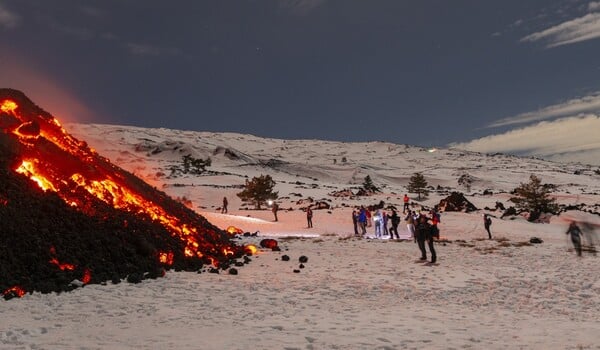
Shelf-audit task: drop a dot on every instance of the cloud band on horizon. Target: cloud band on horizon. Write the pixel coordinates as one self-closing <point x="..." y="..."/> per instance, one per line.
<point x="571" y="139"/>
<point x="586" y="104"/>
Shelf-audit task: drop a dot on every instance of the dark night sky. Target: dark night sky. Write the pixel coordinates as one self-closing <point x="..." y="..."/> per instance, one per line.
<point x="427" y="72"/>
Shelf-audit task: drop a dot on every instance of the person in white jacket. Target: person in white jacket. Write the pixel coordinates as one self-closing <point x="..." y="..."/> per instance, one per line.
<point x="378" y="221"/>
<point x="410" y="224"/>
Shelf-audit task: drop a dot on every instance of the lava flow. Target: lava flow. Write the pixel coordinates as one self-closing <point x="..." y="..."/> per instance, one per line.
<point x="164" y="232"/>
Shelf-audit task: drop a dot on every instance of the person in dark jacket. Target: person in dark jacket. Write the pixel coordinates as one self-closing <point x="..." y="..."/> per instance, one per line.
<point x="274" y="209"/>
<point x="224" y="207"/>
<point x="424" y="234"/>
<point x="487" y="222"/>
<point x="309" y="215"/>
<point x="575" y="233"/>
<point x="395" y="222"/>
<point x="355" y="221"/>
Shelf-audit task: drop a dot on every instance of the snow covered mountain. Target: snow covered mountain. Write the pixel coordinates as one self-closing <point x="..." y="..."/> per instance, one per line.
<point x="314" y="170"/>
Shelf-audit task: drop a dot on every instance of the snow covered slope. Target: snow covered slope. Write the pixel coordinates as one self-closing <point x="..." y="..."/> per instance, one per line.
<point x="306" y="170"/>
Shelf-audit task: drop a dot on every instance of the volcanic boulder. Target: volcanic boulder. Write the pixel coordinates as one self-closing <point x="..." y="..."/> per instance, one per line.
<point x="456" y="201"/>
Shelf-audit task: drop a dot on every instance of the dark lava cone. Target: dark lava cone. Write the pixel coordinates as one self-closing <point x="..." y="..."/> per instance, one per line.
<point x="67" y="213"/>
<point x="456" y="201"/>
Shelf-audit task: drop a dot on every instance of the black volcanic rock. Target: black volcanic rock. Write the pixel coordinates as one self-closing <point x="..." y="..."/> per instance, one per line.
<point x="456" y="201"/>
<point x="48" y="239"/>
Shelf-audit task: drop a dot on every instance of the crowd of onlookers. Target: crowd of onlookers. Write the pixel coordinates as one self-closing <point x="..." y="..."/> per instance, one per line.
<point x="421" y="226"/>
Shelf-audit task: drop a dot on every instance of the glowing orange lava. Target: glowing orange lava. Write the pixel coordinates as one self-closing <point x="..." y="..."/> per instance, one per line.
<point x="166" y="258"/>
<point x="234" y="230"/>
<point x="251" y="249"/>
<point x="18" y="291"/>
<point x="58" y="162"/>
<point x="62" y="266"/>
<point x="87" y="276"/>
<point x="29" y="169"/>
<point x="8" y="106"/>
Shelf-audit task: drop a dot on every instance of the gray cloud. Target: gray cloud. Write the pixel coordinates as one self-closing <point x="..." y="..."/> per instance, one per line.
<point x="8" y="19"/>
<point x="569" y="32"/>
<point x="586" y="104"/>
<point x="573" y="139"/>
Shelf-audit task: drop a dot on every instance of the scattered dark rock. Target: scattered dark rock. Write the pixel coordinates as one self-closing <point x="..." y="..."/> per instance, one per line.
<point x="233" y="271"/>
<point x="296" y="271"/>
<point x="536" y="240"/>
<point x="285" y="258"/>
<point x="301" y="266"/>
<point x="269" y="243"/>
<point x="134" y="278"/>
<point x="511" y="211"/>
<point x="303" y="259"/>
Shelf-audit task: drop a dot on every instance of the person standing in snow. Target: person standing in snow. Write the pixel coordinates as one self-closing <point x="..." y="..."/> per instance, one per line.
<point x="435" y="220"/>
<point x="309" y="215"/>
<point x="406" y="203"/>
<point x="224" y="207"/>
<point x="377" y="219"/>
<point x="425" y="234"/>
<point x="487" y="222"/>
<point x="395" y="219"/>
<point x="274" y="209"/>
<point x="362" y="220"/>
<point x="410" y="225"/>
<point x="384" y="220"/>
<point x="355" y="221"/>
<point x="575" y="233"/>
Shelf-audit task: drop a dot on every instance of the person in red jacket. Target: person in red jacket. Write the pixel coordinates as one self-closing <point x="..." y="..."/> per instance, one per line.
<point x="406" y="200"/>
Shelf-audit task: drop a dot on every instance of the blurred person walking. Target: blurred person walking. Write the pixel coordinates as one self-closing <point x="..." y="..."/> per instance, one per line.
<point x="575" y="233"/>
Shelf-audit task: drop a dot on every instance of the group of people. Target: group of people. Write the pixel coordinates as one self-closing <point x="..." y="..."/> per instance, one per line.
<point x="422" y="227"/>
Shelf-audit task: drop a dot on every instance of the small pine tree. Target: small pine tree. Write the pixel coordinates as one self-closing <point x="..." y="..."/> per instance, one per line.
<point x="191" y="165"/>
<point x="417" y="184"/>
<point x="258" y="191"/>
<point x="533" y="197"/>
<point x="369" y="186"/>
<point x="195" y="165"/>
